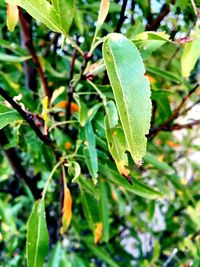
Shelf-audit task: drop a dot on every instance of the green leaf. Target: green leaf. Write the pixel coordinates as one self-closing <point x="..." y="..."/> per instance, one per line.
<point x="74" y="169"/>
<point x="191" y="53"/>
<point x="42" y="11"/>
<point x="55" y="256"/>
<point x="104" y="210"/>
<point x="37" y="236"/>
<point x="116" y="139"/>
<point x="148" y="42"/>
<point x="10" y="58"/>
<point x="83" y="113"/>
<point x="163" y="166"/>
<point x="65" y="13"/>
<point x="100" y="253"/>
<point x="90" y="152"/>
<point x="90" y="208"/>
<point x="117" y="147"/>
<point x="164" y="74"/>
<point x="8" y="117"/>
<point x="131" y="91"/>
<point x="137" y="188"/>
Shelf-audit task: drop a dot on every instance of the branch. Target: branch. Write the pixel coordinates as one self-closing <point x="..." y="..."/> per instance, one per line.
<point x="28" y="42"/>
<point x="16" y="165"/>
<point x="29" y="70"/>
<point x="72" y="85"/>
<point x="182" y="126"/>
<point x="122" y="16"/>
<point x="26" y="116"/>
<point x="166" y="125"/>
<point x="156" y="22"/>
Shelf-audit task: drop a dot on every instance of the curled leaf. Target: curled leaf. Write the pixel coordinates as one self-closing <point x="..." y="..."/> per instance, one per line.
<point x="66" y="210"/>
<point x="98" y="230"/>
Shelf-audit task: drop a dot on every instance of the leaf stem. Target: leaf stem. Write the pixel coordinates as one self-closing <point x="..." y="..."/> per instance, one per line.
<point x="49" y="179"/>
<point x="61" y="123"/>
<point x="75" y="45"/>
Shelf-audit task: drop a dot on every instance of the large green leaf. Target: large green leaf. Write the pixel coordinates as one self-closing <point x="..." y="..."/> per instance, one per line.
<point x="37" y="236"/>
<point x="65" y="12"/>
<point x="8" y="117"/>
<point x="131" y="91"/>
<point x="42" y="11"/>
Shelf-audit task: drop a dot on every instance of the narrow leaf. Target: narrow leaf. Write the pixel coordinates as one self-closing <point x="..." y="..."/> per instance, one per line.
<point x="66" y="210"/>
<point x="42" y="11"/>
<point x="10" y="58"/>
<point x="131" y="91"/>
<point x="137" y="188"/>
<point x="37" y="236"/>
<point x="102" y="254"/>
<point x="12" y="17"/>
<point x="104" y="210"/>
<point x="90" y="152"/>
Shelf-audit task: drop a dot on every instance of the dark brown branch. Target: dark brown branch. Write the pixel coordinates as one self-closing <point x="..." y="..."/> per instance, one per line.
<point x="153" y="26"/>
<point x="189" y="125"/>
<point x="26" y="116"/>
<point x="25" y="27"/>
<point x="122" y="16"/>
<point x="29" y="70"/>
<point x="167" y="124"/>
<point x="190" y="107"/>
<point x="17" y="167"/>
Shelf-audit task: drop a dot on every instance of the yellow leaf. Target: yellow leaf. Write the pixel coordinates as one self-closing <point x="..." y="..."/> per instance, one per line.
<point x="66" y="210"/>
<point x="103" y="12"/>
<point x="150" y="78"/>
<point x="98" y="229"/>
<point x="122" y="169"/>
<point x="12" y="17"/>
<point x="45" y="108"/>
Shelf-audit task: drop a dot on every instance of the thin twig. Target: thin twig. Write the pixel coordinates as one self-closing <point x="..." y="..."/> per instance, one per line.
<point x="17" y="167"/>
<point x="30" y="47"/>
<point x="167" y="124"/>
<point x="156" y="22"/>
<point x="26" y="116"/>
<point x="122" y="16"/>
